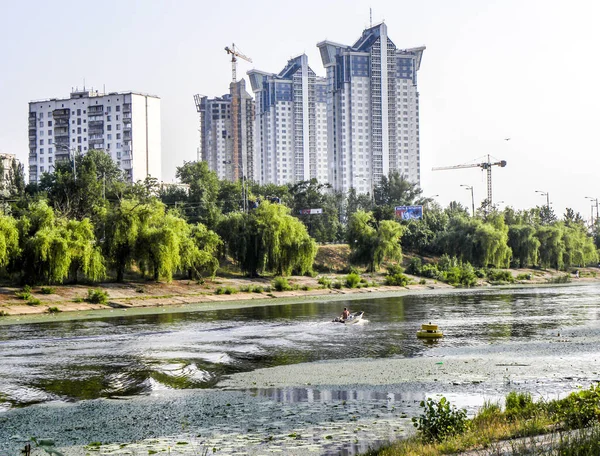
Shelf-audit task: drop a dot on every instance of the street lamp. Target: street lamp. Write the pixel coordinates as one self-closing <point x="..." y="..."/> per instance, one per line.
<point x="470" y="187"/>
<point x="547" y="195"/>
<point x="596" y="201"/>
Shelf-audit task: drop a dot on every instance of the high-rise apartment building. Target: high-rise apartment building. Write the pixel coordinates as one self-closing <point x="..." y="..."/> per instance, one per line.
<point x="227" y="130"/>
<point x="125" y="125"/>
<point x="291" y="124"/>
<point x="373" y="110"/>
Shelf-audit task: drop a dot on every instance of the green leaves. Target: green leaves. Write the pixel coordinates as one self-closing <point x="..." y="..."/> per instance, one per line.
<point x="440" y="420"/>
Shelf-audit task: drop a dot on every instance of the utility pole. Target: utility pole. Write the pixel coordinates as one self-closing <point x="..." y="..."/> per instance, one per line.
<point x="594" y="200"/>
<point x="547" y="195"/>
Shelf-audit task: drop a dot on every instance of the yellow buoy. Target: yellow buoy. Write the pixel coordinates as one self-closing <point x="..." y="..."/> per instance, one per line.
<point x="429" y="332"/>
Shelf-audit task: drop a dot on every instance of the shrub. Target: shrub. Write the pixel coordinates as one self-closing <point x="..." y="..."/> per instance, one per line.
<point x="431" y="271"/>
<point x="523" y="276"/>
<point x="97" y="296"/>
<point x="352" y="280"/>
<point x="580" y="409"/>
<point x="563" y="278"/>
<point x="422" y="282"/>
<point x="499" y="275"/>
<point x="519" y="405"/>
<point x="414" y="267"/>
<point x="245" y="288"/>
<point x="3" y="313"/>
<point x="281" y="284"/>
<point x="324" y="282"/>
<point x="53" y="310"/>
<point x="27" y="289"/>
<point x="305" y="288"/>
<point x="25" y="295"/>
<point x="225" y="290"/>
<point x="397" y="280"/>
<point x="440" y="420"/>
<point x="34" y="302"/>
<point x="337" y="285"/>
<point x="394" y="269"/>
<point x="257" y="289"/>
<point x="47" y="290"/>
<point x="480" y="273"/>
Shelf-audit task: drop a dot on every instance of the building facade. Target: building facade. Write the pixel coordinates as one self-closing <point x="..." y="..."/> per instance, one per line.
<point x="125" y="125"/>
<point x="372" y="110"/>
<point x="291" y="124"/>
<point x="227" y="133"/>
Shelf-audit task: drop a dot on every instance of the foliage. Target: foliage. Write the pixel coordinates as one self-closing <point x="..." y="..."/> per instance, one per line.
<point x="325" y="282"/>
<point x="352" y="280"/>
<point x="53" y="310"/>
<point x="33" y="302"/>
<point x="47" y="290"/>
<point x="97" y="296"/>
<point x="397" y="279"/>
<point x="580" y="409"/>
<point x="373" y="242"/>
<point x="414" y="266"/>
<point x="281" y="284"/>
<point x="524" y="244"/>
<point x="498" y="275"/>
<point x="225" y="290"/>
<point x="440" y="420"/>
<point x="524" y="276"/>
<point x="519" y="405"/>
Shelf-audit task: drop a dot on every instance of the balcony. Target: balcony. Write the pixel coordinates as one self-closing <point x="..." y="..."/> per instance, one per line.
<point x="32" y="116"/>
<point x="126" y="107"/>
<point x="61" y="131"/>
<point x="61" y="123"/>
<point x="96" y="144"/>
<point x="32" y="123"/>
<point x="96" y="123"/>
<point x="127" y="127"/>
<point x="95" y="110"/>
<point x="61" y="113"/>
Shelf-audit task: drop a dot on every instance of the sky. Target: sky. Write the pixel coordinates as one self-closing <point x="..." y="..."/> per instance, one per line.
<point x="528" y="70"/>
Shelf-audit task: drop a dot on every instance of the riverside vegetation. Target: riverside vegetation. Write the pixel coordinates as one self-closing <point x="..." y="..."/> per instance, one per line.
<point x="94" y="226"/>
<point x="570" y="427"/>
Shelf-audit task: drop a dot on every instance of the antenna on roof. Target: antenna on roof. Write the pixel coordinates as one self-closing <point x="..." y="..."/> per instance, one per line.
<point x="370" y="17"/>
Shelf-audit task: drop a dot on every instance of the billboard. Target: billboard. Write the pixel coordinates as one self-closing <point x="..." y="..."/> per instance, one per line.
<point x="311" y="211"/>
<point x="409" y="212"/>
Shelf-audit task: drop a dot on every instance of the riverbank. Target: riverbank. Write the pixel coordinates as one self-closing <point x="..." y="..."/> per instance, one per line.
<point x="236" y="291"/>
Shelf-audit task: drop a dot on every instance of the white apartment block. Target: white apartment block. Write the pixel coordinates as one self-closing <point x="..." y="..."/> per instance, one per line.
<point x="125" y="125"/>
<point x="228" y="152"/>
<point x="7" y="161"/>
<point x="291" y="124"/>
<point x="372" y="110"/>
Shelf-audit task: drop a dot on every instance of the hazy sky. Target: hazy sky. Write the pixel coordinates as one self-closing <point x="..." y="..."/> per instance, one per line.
<point x="526" y="69"/>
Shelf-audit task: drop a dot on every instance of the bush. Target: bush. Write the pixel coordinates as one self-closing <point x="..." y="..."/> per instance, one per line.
<point x="422" y="282"/>
<point x="324" y="282"/>
<point x="226" y="290"/>
<point x="414" y="267"/>
<point x="3" y="313"/>
<point x="499" y="275"/>
<point x="337" y="285"/>
<point x="47" y="290"/>
<point x="27" y="289"/>
<point x="97" y="296"/>
<point x="563" y="278"/>
<point x="463" y="275"/>
<point x="440" y="420"/>
<point x="394" y="269"/>
<point x="257" y="289"/>
<point x="352" y="280"/>
<point x="53" y="310"/>
<point x="281" y="284"/>
<point x="25" y="295"/>
<point x="431" y="271"/>
<point x="580" y="409"/>
<point x="519" y="405"/>
<point x="34" y="302"/>
<point x="397" y="280"/>
<point x="523" y="276"/>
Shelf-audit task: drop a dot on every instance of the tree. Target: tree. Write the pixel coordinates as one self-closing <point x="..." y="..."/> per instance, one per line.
<point x="204" y="192"/>
<point x="268" y="239"/>
<point x="396" y="190"/>
<point x="552" y="246"/>
<point x="373" y="242"/>
<point x="524" y="245"/>
<point x="199" y="252"/>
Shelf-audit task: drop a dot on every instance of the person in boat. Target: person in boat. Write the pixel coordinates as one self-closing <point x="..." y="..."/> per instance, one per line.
<point x="345" y="314"/>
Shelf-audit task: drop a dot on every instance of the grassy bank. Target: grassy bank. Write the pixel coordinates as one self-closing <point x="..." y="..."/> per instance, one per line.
<point x="567" y="426"/>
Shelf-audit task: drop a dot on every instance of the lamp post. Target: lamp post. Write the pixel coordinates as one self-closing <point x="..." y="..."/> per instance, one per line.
<point x="470" y="187"/>
<point x="594" y="200"/>
<point x="547" y="195"/>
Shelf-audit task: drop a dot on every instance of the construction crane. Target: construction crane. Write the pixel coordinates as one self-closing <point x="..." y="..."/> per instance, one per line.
<point x="485" y="165"/>
<point x="235" y="101"/>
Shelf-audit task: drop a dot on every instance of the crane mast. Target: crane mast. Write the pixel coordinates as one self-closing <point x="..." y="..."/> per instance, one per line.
<point x="484" y="166"/>
<point x="235" y="109"/>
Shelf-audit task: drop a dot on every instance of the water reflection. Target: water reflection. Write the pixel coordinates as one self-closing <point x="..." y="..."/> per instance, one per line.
<point x="136" y="354"/>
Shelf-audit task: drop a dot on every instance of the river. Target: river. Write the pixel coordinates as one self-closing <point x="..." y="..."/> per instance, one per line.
<point x="285" y="378"/>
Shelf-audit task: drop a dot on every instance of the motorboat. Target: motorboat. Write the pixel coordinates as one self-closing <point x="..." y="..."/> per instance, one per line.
<point x="352" y="319"/>
<point x="429" y="332"/>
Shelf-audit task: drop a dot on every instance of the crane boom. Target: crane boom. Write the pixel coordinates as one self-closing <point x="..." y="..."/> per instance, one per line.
<point x="234" y="54"/>
<point x="485" y="165"/>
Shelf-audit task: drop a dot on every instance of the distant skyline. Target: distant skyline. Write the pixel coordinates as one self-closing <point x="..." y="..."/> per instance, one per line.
<point x="527" y="70"/>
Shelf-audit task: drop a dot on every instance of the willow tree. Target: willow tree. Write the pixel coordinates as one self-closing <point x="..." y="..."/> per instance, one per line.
<point x="579" y="246"/>
<point x="524" y="244"/>
<point x="373" y="243"/>
<point x="85" y="254"/>
<point x="268" y="239"/>
<point x="492" y="241"/>
<point x="199" y="252"/>
<point x="552" y="246"/>
<point x="9" y="240"/>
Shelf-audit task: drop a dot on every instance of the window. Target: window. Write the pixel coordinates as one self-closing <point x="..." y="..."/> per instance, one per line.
<point x="49" y="132"/>
<point x="118" y="136"/>
<point x="109" y="127"/>
<point x="79" y="139"/>
<point x="41" y="132"/>
<point x="50" y="141"/>
<point x="118" y="108"/>
<point x="41" y="150"/>
<point x="49" y="159"/>
<point x="78" y="121"/>
<point x="41" y="124"/>
<point x="41" y="159"/>
<point x="108" y="109"/>
<point x="73" y="122"/>
<point x="41" y="115"/>
<point x="117" y="116"/>
<point x="49" y="123"/>
<point x="79" y="112"/>
<point x="118" y="126"/>
<point x="108" y="119"/>
<point x="49" y="150"/>
<point x="109" y="136"/>
<point x="41" y="142"/>
<point x="78" y="130"/>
